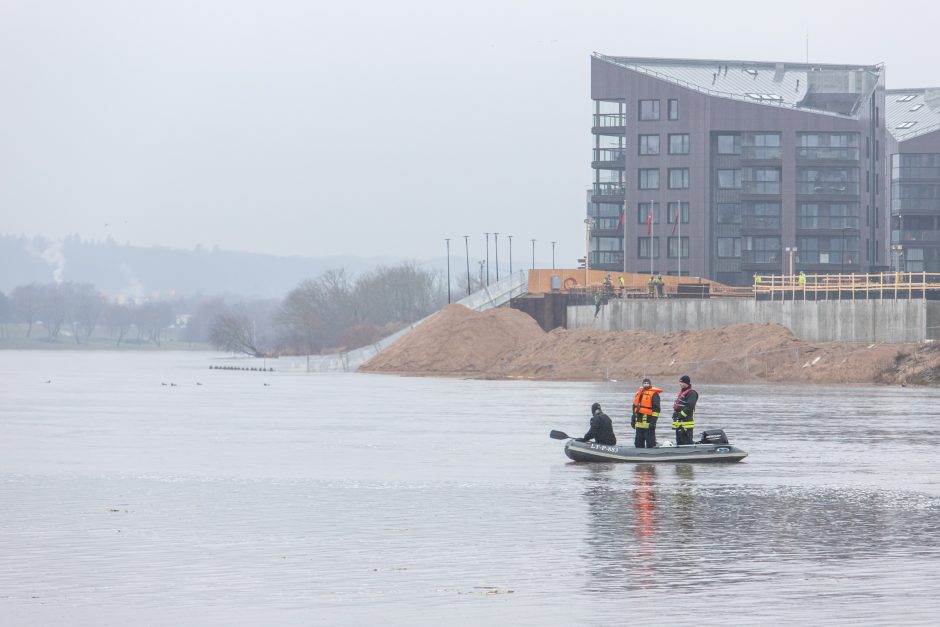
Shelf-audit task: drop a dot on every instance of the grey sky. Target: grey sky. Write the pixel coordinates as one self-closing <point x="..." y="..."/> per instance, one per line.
<point x="373" y="128"/>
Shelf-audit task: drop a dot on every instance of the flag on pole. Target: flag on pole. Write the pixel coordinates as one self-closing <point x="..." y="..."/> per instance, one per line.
<point x="649" y="222"/>
<point x="677" y="218"/>
<point x="623" y="219"/>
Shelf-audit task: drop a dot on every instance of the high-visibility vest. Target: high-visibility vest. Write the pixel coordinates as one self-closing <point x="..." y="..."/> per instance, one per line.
<point x="643" y="407"/>
<point x="686" y="418"/>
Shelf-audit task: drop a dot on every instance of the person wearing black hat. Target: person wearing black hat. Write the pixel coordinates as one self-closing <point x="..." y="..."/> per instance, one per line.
<point x="602" y="429"/>
<point x="683" y="411"/>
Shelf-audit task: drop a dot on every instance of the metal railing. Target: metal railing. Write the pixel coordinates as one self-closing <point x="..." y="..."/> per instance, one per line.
<point x="824" y="153"/>
<point x="884" y="285"/>
<point x="812" y="188"/>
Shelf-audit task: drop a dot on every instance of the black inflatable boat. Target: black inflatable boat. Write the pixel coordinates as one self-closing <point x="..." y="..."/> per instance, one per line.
<point x="714" y="447"/>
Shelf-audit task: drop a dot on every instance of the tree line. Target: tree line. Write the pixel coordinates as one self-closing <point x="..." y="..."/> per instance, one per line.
<point x="329" y="313"/>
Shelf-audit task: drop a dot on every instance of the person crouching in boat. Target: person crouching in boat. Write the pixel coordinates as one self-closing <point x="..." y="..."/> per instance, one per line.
<point x="683" y="414"/>
<point x="645" y="414"/>
<point x="602" y="429"/>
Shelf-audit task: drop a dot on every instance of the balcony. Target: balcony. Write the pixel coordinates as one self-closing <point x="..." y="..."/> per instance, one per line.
<point x="908" y="235"/>
<point x="826" y="154"/>
<point x="606" y="258"/>
<point x="609" y="158"/>
<point x="760" y="257"/>
<point x="610" y="189"/>
<point x="827" y="188"/>
<point x="609" y="124"/>
<point x="827" y="223"/>
<point x="761" y="187"/>
<point x="760" y="223"/>
<point x="761" y="153"/>
<point x="828" y="258"/>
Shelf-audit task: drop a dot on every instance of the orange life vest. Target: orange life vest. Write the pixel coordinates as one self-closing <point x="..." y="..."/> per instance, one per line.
<point x="643" y="401"/>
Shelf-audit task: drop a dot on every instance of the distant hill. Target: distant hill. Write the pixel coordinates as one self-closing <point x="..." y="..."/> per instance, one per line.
<point x="139" y="271"/>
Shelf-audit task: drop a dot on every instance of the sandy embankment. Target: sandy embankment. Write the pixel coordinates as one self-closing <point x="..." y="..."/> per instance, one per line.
<point x="505" y="343"/>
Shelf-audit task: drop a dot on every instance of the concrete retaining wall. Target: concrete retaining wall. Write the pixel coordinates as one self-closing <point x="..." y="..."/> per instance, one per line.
<point x="820" y="321"/>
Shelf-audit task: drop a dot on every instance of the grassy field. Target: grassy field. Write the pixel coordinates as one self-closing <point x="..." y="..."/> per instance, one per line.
<point x="13" y="337"/>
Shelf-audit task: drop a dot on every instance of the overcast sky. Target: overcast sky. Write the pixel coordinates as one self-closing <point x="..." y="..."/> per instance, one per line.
<point x="372" y="128"/>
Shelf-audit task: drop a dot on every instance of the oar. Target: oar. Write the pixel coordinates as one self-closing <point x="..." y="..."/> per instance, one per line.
<point x="559" y="435"/>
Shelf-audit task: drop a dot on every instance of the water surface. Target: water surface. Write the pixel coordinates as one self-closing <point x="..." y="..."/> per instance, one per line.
<point x="260" y="498"/>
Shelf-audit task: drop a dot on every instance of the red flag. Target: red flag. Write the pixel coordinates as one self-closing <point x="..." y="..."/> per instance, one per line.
<point x="649" y="223"/>
<point x="622" y="220"/>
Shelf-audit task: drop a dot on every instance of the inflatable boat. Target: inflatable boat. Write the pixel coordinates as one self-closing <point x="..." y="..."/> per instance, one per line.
<point x="712" y="448"/>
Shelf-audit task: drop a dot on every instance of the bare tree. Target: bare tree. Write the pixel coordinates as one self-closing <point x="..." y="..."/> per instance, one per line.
<point x="119" y="319"/>
<point x="87" y="308"/>
<point x="234" y="333"/>
<point x="315" y="314"/>
<point x="55" y="307"/>
<point x="152" y="319"/>
<point x="4" y="314"/>
<point x="26" y="301"/>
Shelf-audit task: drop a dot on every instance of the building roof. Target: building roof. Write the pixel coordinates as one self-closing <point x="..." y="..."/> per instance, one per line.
<point x="820" y="88"/>
<point x="910" y="113"/>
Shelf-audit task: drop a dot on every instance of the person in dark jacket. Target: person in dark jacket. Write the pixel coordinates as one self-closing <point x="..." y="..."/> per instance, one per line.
<point x="602" y="429"/>
<point x="683" y="412"/>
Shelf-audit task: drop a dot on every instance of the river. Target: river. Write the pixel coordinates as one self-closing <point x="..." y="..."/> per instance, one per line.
<point x="145" y="488"/>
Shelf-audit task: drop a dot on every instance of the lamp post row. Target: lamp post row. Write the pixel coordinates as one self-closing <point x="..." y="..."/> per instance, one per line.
<point x="485" y="278"/>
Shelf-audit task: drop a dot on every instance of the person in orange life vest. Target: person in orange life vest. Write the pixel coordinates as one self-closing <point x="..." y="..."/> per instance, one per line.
<point x="645" y="415"/>
<point x="683" y="412"/>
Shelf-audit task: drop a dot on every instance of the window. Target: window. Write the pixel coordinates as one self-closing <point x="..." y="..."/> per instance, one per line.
<point x="672" y="212"/>
<point x="673" y="244"/>
<point x="766" y="139"/>
<point x="729" y="144"/>
<point x="916" y="107"/>
<point x="729" y="213"/>
<point x="643" y="247"/>
<point x="673" y="109"/>
<point x="649" y="110"/>
<point x="643" y="212"/>
<point x="649" y="144"/>
<point x="761" y="249"/>
<point x="678" y="178"/>
<point x="907" y="98"/>
<point x="765" y="97"/>
<point x="762" y="181"/>
<point x="608" y="243"/>
<point x="762" y="215"/>
<point x="729" y="247"/>
<point x="679" y="144"/>
<point x="729" y="179"/>
<point x="605" y="210"/>
<point x="648" y="178"/>
<point x="904" y="125"/>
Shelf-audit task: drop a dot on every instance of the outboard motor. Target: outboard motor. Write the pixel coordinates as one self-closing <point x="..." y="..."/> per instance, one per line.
<point x="713" y="436"/>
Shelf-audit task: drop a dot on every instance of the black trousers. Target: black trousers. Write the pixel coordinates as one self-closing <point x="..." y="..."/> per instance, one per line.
<point x="645" y="438"/>
<point x="683" y="436"/>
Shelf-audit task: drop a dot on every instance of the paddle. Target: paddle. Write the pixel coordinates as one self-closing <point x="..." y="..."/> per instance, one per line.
<point x="559" y="435"/>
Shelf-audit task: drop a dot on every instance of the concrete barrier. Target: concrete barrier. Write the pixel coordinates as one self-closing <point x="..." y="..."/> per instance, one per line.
<point x="890" y="321"/>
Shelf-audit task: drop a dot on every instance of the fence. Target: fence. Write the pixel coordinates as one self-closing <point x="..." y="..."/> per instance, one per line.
<point x="885" y="285"/>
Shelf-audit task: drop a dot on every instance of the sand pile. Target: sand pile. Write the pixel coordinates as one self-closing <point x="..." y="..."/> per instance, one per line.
<point x="505" y="343"/>
<point x="460" y="342"/>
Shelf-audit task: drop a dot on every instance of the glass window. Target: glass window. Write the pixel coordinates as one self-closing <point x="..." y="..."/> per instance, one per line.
<point x="643" y="213"/>
<point x="672" y="247"/>
<point x="729" y="144"/>
<point x="672" y="212"/>
<point x="649" y="110"/>
<point x="643" y="247"/>
<point x="678" y="178"/>
<point x="648" y="178"/>
<point x="729" y="213"/>
<point x="679" y="144"/>
<point x="729" y="247"/>
<point x="608" y="243"/>
<point x="649" y="144"/>
<point x="729" y="179"/>
<point x="673" y="109"/>
<point x="767" y="139"/>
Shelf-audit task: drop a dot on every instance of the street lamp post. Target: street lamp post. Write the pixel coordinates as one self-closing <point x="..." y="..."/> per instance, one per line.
<point x="553" y="255"/>
<point x="447" y="239"/>
<point x="588" y="223"/>
<point x="487" y="260"/>
<point x="510" y="253"/>
<point x="482" y="263"/>
<point x="533" y="254"/>
<point x="466" y="245"/>
<point x="496" y="245"/>
<point x="791" y="250"/>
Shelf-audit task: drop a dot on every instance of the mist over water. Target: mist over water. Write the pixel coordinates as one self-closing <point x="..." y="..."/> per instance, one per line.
<point x="360" y="499"/>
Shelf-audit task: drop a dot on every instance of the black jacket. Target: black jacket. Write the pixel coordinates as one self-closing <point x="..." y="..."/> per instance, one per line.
<point x="602" y="430"/>
<point x="687" y="404"/>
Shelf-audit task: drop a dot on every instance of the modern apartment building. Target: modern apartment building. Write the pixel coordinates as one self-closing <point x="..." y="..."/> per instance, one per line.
<point x="913" y="118"/>
<point x="726" y="169"/>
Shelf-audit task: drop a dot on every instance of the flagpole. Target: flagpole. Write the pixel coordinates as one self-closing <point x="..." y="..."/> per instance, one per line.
<point x="652" y="215"/>
<point x="623" y="223"/>
<point x="679" y="212"/>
